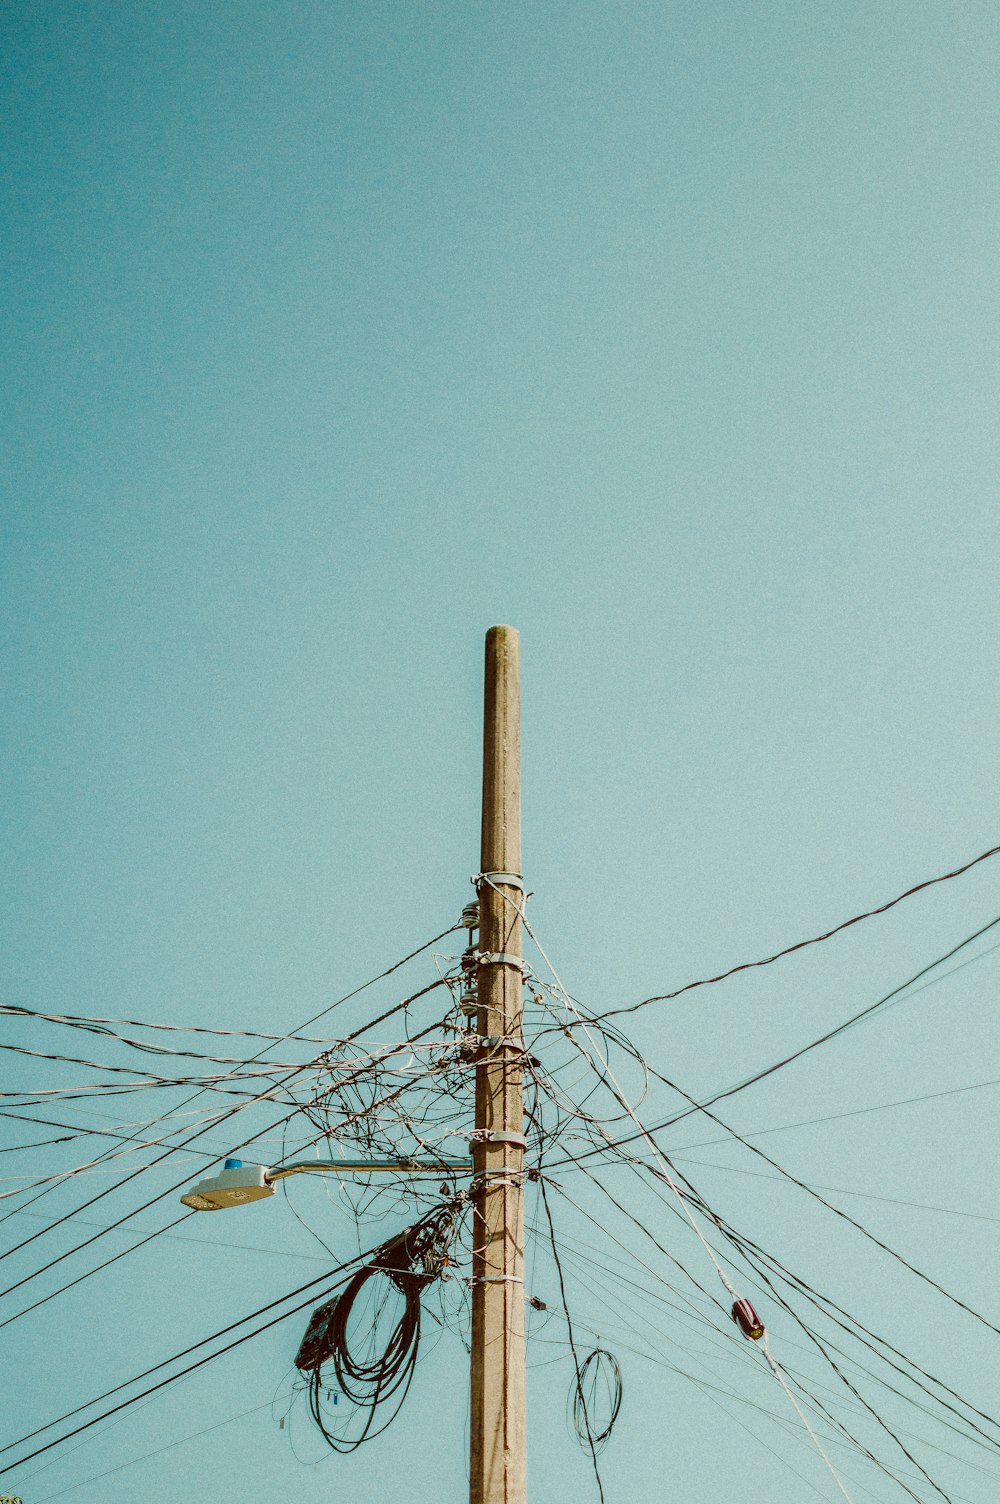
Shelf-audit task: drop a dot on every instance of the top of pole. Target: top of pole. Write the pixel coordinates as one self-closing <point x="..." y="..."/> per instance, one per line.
<point x="497" y="1398"/>
<point x="501" y="829"/>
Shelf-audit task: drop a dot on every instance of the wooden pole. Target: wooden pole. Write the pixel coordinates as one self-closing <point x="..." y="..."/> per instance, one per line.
<point x="497" y="1442"/>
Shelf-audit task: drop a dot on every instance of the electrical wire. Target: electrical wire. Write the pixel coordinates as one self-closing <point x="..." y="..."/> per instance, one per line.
<point x="321" y="1014"/>
<point x="378" y="1373"/>
<point x="123" y="1253"/>
<point x="418" y="1094"/>
<point x="599" y="1368"/>
<point x="762" y="1075"/>
<point x="672" y="1183"/>
<point x="160" y="1196"/>
<point x="134" y="1461"/>
<point x="580" y="1396"/>
<point x="789" y="950"/>
<point x="838" y="1117"/>
<point x="175" y="1358"/>
<point x="837" y="1211"/>
<point x="837" y="1190"/>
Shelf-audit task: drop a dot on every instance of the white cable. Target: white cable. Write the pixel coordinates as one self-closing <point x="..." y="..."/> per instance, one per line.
<point x="776" y="1370"/>
<point x="668" y="1177"/>
<point x="606" y="1069"/>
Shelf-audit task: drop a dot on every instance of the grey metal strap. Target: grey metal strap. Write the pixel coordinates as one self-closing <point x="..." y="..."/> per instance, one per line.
<point x="495" y="1180"/>
<point x="508" y="879"/>
<point x="500" y="958"/>
<point x="494" y="1136"/>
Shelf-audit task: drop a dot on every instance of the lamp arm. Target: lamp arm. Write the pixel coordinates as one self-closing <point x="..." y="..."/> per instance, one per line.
<point x="368" y="1167"/>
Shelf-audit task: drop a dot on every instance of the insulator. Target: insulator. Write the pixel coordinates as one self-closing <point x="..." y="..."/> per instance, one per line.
<point x="470" y="916"/>
<point x="468" y="1003"/>
<point x="747" y="1320"/>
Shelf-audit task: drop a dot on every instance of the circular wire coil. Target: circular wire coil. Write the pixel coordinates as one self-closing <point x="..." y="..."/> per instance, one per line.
<point x="596" y="1398"/>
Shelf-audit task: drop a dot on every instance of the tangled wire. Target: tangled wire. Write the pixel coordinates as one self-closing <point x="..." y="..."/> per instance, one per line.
<point x="353" y="1342"/>
<point x="596" y="1398"/>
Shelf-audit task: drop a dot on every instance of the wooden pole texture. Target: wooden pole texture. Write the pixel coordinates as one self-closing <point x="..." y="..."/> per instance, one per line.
<point x="497" y="1443"/>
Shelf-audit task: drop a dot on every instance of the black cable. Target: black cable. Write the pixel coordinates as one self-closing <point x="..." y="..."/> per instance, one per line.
<point x="636" y="1164"/>
<point x="165" y="1362"/>
<point x="597" y="1365"/>
<point x="41" y="1143"/>
<point x="79" y="1132"/>
<point x="402" y="1266"/>
<point x="837" y="1211"/>
<point x="321" y="1014"/>
<point x="666" y="997"/>
<point x="733" y="1238"/>
<point x="740" y="1398"/>
<point x="572" y="1345"/>
<point x="645" y="1230"/>
<point x="848" y="1023"/>
<point x="111" y="1225"/>
<point x="808" y="1332"/>
<point x="837" y="1117"/>
<point x="849" y="1324"/>
<point x="704" y="1109"/>
<point x="217" y="1122"/>
<point x="788" y="1059"/>
<point x="709" y="1212"/>
<point x="133" y="1399"/>
<point x="121" y="1254"/>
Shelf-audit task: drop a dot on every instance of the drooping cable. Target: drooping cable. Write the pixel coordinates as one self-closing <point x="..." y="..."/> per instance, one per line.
<point x="176" y="1358"/>
<point x="762" y="1075"/>
<point x="581" y="1397"/>
<point x="372" y="981"/>
<point x="788" y="950"/>
<point x="160" y="1196"/>
<point x="372" y="1361"/>
<point x="598" y="1368"/>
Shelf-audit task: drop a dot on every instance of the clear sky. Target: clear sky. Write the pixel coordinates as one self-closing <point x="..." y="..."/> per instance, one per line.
<point x="667" y="332"/>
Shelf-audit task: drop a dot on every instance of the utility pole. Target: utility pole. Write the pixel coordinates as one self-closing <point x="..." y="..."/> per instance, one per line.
<point x="497" y="1440"/>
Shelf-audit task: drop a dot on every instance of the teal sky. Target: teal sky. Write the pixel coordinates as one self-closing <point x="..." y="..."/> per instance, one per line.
<point x="669" y="333"/>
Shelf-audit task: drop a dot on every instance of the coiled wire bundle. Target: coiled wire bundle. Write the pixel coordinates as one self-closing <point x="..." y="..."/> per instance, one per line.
<point x="596" y="1398"/>
<point x="364" y="1343"/>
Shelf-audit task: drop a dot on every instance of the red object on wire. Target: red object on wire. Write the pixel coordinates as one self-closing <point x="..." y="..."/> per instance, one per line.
<point x="747" y="1320"/>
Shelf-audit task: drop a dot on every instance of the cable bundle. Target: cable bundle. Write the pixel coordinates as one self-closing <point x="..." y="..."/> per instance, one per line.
<point x="369" y="1376"/>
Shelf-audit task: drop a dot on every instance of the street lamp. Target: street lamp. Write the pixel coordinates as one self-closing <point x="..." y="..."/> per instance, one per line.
<point x="239" y="1183"/>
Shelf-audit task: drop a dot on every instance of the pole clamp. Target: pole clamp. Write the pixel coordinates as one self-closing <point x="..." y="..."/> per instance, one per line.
<point x="495" y="1136"/>
<point x="509" y="879"/>
<point x="497" y="1279"/>
<point x="500" y="958"/>
<point x="481" y="1048"/>
<point x="495" y="1180"/>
